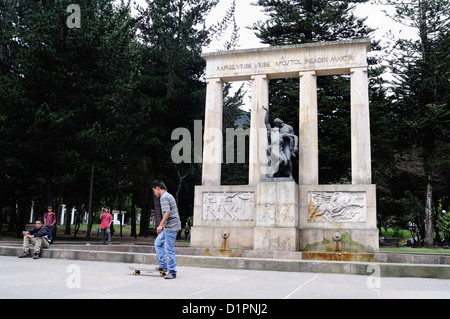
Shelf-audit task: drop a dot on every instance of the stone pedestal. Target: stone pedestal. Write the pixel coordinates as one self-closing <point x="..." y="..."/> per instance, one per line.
<point x="276" y="225"/>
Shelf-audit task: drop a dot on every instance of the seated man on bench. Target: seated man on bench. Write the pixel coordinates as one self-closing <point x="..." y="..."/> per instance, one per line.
<point x="37" y="236"/>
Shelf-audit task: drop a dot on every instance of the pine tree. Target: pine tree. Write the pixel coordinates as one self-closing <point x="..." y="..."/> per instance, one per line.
<point x="60" y="90"/>
<point x="421" y="88"/>
<point x="172" y="89"/>
<point x="303" y="21"/>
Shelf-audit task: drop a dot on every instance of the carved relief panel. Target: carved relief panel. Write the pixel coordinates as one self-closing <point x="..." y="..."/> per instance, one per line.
<point x="276" y="214"/>
<point x="224" y="206"/>
<point x="337" y="207"/>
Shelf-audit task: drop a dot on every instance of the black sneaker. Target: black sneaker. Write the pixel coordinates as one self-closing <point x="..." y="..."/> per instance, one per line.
<point x="170" y="276"/>
<point x="160" y="269"/>
<point x="36" y="256"/>
<point x="25" y="254"/>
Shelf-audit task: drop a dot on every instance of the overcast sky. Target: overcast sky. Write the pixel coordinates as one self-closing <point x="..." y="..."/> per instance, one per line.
<point x="247" y="14"/>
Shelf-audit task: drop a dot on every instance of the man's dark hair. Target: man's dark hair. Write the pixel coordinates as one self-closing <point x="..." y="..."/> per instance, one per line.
<point x="159" y="184"/>
<point x="40" y="220"/>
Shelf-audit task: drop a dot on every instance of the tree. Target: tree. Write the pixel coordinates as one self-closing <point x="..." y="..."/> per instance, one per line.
<point x="172" y="90"/>
<point x="62" y="91"/>
<point x="303" y="21"/>
<point x="421" y="89"/>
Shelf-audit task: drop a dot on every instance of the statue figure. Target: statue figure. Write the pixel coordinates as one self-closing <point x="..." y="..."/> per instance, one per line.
<point x="282" y="144"/>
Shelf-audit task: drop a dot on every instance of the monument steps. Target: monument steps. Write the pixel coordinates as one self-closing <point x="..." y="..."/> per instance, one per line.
<point x="390" y="264"/>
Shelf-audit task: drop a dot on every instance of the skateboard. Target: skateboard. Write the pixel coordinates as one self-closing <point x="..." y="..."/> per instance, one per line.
<point x="138" y="268"/>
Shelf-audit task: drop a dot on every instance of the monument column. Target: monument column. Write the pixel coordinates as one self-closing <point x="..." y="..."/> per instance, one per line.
<point x="212" y="139"/>
<point x="258" y="132"/>
<point x="308" y="136"/>
<point x="360" y="121"/>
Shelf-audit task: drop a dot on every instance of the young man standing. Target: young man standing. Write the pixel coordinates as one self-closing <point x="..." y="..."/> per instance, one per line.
<point x="105" y="227"/>
<point x="167" y="230"/>
<point x="50" y="221"/>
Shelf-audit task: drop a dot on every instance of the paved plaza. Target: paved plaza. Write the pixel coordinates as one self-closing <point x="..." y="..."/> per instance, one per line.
<point x="68" y="279"/>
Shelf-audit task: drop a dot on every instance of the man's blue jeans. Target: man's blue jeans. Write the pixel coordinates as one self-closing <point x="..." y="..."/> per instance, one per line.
<point x="164" y="244"/>
<point x="106" y="231"/>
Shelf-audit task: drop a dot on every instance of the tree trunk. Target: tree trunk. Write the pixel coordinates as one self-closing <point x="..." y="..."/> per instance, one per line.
<point x="6" y="19"/>
<point x="12" y="216"/>
<point x="120" y="214"/>
<point x="145" y="214"/>
<point x="67" y="217"/>
<point x="133" y="217"/>
<point x="21" y="218"/>
<point x="180" y="183"/>
<point x="88" y="233"/>
<point x="1" y="221"/>
<point x="48" y="185"/>
<point x="429" y="215"/>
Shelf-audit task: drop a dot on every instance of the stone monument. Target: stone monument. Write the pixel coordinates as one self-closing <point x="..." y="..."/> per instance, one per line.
<point x="273" y="212"/>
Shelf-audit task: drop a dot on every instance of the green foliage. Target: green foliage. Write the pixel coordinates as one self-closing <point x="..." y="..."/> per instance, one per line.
<point x="103" y="96"/>
<point x="302" y="21"/>
<point x="421" y="93"/>
<point x="444" y="224"/>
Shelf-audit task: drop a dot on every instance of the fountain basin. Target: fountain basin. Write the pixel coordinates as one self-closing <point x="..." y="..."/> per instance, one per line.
<point x="338" y="256"/>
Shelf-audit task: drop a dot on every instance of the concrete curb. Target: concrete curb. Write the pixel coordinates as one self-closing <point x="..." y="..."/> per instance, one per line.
<point x="288" y="265"/>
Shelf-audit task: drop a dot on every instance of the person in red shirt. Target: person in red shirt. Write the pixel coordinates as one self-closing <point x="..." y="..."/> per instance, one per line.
<point x="105" y="226"/>
<point x="50" y="220"/>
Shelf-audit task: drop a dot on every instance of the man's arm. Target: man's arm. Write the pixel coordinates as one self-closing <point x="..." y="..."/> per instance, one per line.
<point x="163" y="222"/>
<point x="26" y="233"/>
<point x="41" y="232"/>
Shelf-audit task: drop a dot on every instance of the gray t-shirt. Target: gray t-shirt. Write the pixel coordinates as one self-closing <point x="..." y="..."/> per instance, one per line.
<point x="168" y="204"/>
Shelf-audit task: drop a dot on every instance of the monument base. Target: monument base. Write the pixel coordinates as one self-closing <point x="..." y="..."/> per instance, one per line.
<point x="276" y="220"/>
<point x="283" y="216"/>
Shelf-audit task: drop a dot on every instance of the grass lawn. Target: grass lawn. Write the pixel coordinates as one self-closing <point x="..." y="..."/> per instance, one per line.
<point x="416" y="250"/>
<point x="390" y="233"/>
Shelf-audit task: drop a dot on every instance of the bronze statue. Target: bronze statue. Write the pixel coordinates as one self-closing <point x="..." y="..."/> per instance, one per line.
<point x="282" y="144"/>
